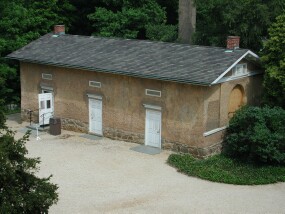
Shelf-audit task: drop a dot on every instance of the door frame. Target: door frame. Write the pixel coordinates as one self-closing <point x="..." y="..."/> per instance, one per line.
<point x="99" y="98"/>
<point x="157" y="109"/>
<point x="50" y="113"/>
<point x="46" y="89"/>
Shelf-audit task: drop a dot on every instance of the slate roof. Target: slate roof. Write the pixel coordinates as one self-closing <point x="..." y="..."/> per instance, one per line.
<point x="155" y="60"/>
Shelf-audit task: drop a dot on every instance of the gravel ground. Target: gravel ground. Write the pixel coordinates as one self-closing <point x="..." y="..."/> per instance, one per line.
<point x="105" y="176"/>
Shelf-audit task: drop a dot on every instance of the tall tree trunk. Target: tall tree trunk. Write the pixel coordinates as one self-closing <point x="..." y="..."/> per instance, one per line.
<point x="187" y="20"/>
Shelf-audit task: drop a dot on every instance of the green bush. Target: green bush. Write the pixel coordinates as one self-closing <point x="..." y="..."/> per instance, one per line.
<point x="21" y="191"/>
<point x="257" y="135"/>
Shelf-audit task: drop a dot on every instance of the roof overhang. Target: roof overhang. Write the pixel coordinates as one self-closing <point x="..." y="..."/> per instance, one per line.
<point x="109" y="71"/>
<point x="247" y="54"/>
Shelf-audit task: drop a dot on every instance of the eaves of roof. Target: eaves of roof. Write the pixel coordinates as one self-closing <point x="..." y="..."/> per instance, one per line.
<point x="111" y="71"/>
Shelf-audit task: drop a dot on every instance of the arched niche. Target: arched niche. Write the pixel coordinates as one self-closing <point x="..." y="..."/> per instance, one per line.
<point x="236" y="100"/>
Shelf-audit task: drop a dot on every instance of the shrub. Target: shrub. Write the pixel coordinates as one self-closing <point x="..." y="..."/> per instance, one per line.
<point x="21" y="191"/>
<point x="257" y="135"/>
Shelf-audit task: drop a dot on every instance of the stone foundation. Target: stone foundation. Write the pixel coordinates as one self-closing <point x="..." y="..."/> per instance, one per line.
<point x="123" y="135"/>
<point x="74" y="125"/>
<point x="195" y="151"/>
<point x="167" y="145"/>
<point x="115" y="134"/>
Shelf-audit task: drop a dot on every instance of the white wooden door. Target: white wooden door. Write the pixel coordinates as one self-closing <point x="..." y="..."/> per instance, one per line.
<point x="45" y="108"/>
<point x="95" y="116"/>
<point x="153" y="128"/>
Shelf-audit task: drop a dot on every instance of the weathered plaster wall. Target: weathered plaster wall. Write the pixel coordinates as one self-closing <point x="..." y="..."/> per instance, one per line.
<point x="123" y="98"/>
<point x="185" y="115"/>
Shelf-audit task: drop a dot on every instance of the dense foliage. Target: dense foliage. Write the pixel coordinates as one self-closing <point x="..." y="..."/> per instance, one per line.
<point x="250" y="19"/>
<point x="226" y="170"/>
<point x="20" y="190"/>
<point x="257" y="135"/>
<point x="274" y="61"/>
<point x="20" y="23"/>
<point x="129" y="19"/>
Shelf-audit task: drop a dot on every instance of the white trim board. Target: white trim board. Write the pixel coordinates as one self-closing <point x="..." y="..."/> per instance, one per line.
<point x="233" y="65"/>
<point x="226" y="79"/>
<point x="48" y="88"/>
<point x="214" y="131"/>
<point x="94" y="96"/>
<point x="152" y="107"/>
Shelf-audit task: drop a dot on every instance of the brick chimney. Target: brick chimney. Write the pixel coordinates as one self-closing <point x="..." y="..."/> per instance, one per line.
<point x="59" y="30"/>
<point x="233" y="42"/>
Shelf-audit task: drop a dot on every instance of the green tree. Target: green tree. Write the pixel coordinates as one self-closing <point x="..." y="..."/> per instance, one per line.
<point x="82" y="25"/>
<point x="274" y="62"/>
<point x="129" y="19"/>
<point x="21" y="191"/>
<point x="22" y="21"/>
<point x="8" y="83"/>
<point x="249" y="19"/>
<point x="163" y="32"/>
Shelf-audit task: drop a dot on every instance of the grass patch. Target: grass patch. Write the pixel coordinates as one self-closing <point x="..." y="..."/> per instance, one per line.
<point x="225" y="170"/>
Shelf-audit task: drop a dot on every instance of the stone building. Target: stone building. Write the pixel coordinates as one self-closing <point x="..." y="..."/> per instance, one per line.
<point x="165" y="95"/>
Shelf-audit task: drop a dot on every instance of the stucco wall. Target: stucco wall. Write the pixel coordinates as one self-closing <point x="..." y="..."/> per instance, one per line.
<point x="123" y="98"/>
<point x="187" y="111"/>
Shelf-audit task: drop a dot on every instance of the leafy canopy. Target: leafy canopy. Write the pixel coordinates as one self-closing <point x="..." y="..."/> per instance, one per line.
<point x="22" y="21"/>
<point x="249" y="19"/>
<point x="274" y="62"/>
<point x="131" y="19"/>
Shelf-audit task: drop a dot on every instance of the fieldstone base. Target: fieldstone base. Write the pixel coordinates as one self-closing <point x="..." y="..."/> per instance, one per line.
<point x="79" y="126"/>
<point x="74" y="125"/>
<point x="195" y="151"/>
<point x="116" y="134"/>
<point x="167" y="145"/>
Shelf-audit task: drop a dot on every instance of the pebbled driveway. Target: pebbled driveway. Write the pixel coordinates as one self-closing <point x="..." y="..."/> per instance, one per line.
<point x="105" y="176"/>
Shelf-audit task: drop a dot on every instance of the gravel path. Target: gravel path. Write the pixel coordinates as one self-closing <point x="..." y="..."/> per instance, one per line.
<point x="105" y="176"/>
